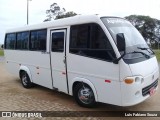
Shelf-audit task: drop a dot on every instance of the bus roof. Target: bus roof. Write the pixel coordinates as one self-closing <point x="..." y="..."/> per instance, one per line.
<point x="78" y="19"/>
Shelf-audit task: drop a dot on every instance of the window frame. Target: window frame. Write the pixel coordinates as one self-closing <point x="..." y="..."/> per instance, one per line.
<point x="111" y="49"/>
<point x="64" y="40"/>
<point x="30" y="40"/>
<point x="5" y="42"/>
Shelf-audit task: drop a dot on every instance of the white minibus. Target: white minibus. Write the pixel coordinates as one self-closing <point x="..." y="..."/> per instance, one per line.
<point x="91" y="57"/>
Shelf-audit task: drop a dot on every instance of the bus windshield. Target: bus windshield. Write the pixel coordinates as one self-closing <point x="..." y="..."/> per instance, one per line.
<point x="135" y="43"/>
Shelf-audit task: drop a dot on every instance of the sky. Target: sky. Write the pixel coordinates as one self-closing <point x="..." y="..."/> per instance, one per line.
<point x="13" y="12"/>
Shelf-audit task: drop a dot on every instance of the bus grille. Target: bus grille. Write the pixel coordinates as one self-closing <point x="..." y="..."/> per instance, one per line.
<point x="146" y="90"/>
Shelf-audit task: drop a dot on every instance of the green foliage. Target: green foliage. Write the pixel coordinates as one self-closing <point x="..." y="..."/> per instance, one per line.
<point x="56" y="12"/>
<point x="68" y="14"/>
<point x="157" y="53"/>
<point x="53" y="11"/>
<point x="148" y="27"/>
<point x="1" y="53"/>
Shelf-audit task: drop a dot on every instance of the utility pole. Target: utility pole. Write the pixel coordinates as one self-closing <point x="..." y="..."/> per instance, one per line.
<point x="28" y="10"/>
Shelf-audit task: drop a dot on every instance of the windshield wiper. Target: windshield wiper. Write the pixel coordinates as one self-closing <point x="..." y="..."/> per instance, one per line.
<point x="116" y="60"/>
<point x="147" y="56"/>
<point x="141" y="48"/>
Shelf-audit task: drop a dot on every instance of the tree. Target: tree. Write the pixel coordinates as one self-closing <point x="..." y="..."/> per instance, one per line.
<point x="145" y="24"/>
<point x="56" y="12"/>
<point x="157" y="29"/>
<point x="68" y="14"/>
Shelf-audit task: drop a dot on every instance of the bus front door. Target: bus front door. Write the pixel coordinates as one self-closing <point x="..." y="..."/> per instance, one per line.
<point x="58" y="60"/>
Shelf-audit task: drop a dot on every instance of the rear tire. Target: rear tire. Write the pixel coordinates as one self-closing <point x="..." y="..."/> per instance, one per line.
<point x="84" y="95"/>
<point x="25" y="80"/>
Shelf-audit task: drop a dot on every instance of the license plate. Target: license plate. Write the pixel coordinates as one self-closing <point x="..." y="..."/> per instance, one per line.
<point x="152" y="91"/>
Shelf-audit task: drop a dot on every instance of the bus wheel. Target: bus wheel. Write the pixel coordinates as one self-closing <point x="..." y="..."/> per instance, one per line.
<point x="25" y="80"/>
<point x="84" y="95"/>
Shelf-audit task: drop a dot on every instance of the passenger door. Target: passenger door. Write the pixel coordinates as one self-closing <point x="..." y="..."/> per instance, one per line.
<point x="58" y="59"/>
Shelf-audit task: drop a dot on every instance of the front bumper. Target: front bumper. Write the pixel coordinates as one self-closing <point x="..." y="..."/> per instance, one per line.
<point x="135" y="93"/>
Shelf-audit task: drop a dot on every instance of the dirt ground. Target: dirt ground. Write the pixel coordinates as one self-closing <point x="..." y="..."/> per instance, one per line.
<point x="13" y="97"/>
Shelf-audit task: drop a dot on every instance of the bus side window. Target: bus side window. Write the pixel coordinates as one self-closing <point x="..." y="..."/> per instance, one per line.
<point x="22" y="41"/>
<point x="58" y="42"/>
<point x="90" y="40"/>
<point x="10" y="41"/>
<point x="38" y="40"/>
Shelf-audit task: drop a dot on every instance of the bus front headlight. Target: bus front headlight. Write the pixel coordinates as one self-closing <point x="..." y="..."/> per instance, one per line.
<point x="139" y="79"/>
<point x="135" y="79"/>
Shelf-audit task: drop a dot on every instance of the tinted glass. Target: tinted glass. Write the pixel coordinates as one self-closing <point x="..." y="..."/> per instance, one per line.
<point x="22" y="40"/>
<point x="90" y="40"/>
<point x="98" y="38"/>
<point x="10" y="42"/>
<point x="38" y="40"/>
<point x="58" y="42"/>
<point x="133" y="39"/>
<point x="79" y="36"/>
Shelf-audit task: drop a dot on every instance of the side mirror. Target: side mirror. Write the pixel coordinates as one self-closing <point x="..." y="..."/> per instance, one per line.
<point x="121" y="45"/>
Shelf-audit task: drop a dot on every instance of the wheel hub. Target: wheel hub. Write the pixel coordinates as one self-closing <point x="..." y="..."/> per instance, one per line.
<point x="85" y="95"/>
<point x="24" y="79"/>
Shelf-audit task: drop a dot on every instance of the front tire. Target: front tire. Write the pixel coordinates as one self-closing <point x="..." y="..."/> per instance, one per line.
<point x="25" y="80"/>
<point x="84" y="95"/>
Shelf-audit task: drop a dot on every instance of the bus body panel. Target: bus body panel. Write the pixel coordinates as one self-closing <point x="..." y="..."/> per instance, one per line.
<point x="125" y="70"/>
<point x="103" y="75"/>
<point x="36" y="61"/>
<point x="11" y="62"/>
<point x="133" y="94"/>
<point x="144" y="68"/>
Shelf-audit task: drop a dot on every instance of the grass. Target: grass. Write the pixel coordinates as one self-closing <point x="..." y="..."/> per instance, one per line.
<point x="157" y="53"/>
<point x="1" y="53"/>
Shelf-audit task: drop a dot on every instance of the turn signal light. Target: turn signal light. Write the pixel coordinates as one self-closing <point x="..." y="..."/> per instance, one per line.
<point x="129" y="81"/>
